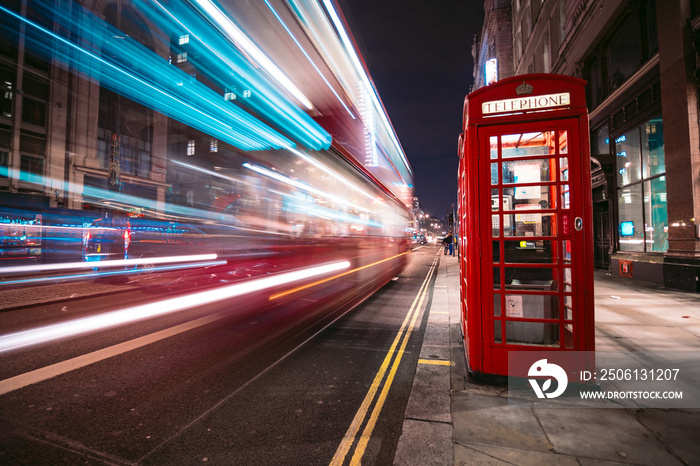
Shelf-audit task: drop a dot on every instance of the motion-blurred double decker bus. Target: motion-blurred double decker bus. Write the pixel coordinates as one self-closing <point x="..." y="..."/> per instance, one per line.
<point x="249" y="138"/>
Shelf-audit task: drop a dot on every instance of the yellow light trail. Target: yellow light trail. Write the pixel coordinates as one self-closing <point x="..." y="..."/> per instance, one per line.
<point x="325" y="280"/>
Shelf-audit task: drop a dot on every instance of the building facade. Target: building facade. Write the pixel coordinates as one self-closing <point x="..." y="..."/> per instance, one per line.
<point x="642" y="94"/>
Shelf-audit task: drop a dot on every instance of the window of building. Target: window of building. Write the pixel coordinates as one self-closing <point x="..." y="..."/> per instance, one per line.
<point x="623" y="53"/>
<point x="247" y="93"/>
<point x="546" y="59"/>
<point x="7" y="91"/>
<point x="130" y="121"/>
<point x="185" y="39"/>
<point x="10" y="35"/>
<point x="4" y="163"/>
<point x="31" y="169"/>
<point x="652" y="30"/>
<point x="228" y="95"/>
<point x="562" y="21"/>
<point x="34" y="100"/>
<point x="641" y="194"/>
<point x="518" y="52"/>
<point x="214" y="145"/>
<point x="190" y="147"/>
<point x="182" y="57"/>
<point x="527" y="27"/>
<point x="594" y="89"/>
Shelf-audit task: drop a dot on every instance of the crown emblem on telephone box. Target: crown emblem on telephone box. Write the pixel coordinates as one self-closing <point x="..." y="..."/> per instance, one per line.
<point x="524" y="88"/>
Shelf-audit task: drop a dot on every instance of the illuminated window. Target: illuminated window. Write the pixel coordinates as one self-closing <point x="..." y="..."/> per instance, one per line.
<point x="247" y="93"/>
<point x="641" y="194"/>
<point x="184" y="39"/>
<point x="182" y="57"/>
<point x="228" y="95"/>
<point x="190" y="147"/>
<point x="214" y="146"/>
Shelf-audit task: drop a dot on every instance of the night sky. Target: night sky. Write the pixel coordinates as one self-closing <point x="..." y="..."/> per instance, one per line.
<point x="419" y="55"/>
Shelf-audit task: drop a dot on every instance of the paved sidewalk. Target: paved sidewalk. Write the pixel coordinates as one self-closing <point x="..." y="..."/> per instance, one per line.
<point x="450" y="420"/>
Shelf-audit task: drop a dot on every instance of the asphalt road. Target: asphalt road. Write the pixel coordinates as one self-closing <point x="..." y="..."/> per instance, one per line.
<point x="301" y="383"/>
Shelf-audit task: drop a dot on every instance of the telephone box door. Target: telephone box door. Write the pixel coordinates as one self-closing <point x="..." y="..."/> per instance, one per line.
<point x="532" y="249"/>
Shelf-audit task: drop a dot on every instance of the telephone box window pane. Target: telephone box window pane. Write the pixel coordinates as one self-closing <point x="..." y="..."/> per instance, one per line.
<point x="496" y="252"/>
<point x="497" y="305"/>
<point x="532" y="279"/>
<point x="527" y="144"/>
<point x="494" y="146"/>
<point x="494" y="173"/>
<point x="494" y="199"/>
<point x="656" y="214"/>
<point x="495" y="226"/>
<point x="497" y="332"/>
<point x="496" y="278"/>
<point x="563" y="142"/>
<point x="565" y="198"/>
<point x="529" y="198"/>
<point x="529" y="224"/>
<point x="532" y="333"/>
<point x="568" y="336"/>
<point x="566" y="248"/>
<point x="569" y="313"/>
<point x="628" y="158"/>
<point x="567" y="276"/>
<point x="527" y="251"/>
<point x="563" y="169"/>
<point x="526" y="171"/>
<point x="631" y="224"/>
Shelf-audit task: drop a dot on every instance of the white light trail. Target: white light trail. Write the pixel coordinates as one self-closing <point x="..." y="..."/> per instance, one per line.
<point x="76" y="327"/>
<point x="329" y="171"/>
<point x="108" y="263"/>
<point x="350" y="49"/>
<point x="302" y="186"/>
<point x="244" y="43"/>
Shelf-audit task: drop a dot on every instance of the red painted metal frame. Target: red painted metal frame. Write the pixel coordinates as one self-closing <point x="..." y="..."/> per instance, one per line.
<point x="484" y="356"/>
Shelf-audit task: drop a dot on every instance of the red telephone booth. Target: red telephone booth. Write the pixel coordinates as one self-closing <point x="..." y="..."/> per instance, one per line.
<point x="526" y="267"/>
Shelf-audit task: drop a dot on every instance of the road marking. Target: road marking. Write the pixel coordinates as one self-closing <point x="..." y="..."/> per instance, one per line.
<point x="404" y="332"/>
<point x="48" y="372"/>
<point x="435" y="362"/>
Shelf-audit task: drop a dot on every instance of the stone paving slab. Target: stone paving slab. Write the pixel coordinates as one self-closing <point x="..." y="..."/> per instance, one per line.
<point x="477" y="455"/>
<point x="425" y="443"/>
<point x="604" y="434"/>
<point x="488" y="420"/>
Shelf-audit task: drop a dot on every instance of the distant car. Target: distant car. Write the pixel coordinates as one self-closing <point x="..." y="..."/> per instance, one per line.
<point x="420" y="239"/>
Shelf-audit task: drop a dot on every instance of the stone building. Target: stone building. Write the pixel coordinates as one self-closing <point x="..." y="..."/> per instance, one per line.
<point x="640" y="60"/>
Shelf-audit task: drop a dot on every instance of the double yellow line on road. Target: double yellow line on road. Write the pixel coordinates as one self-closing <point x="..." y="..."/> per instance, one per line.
<point x="396" y="354"/>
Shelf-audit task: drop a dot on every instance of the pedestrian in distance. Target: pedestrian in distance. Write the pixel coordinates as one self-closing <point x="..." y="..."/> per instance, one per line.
<point x="447" y="242"/>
